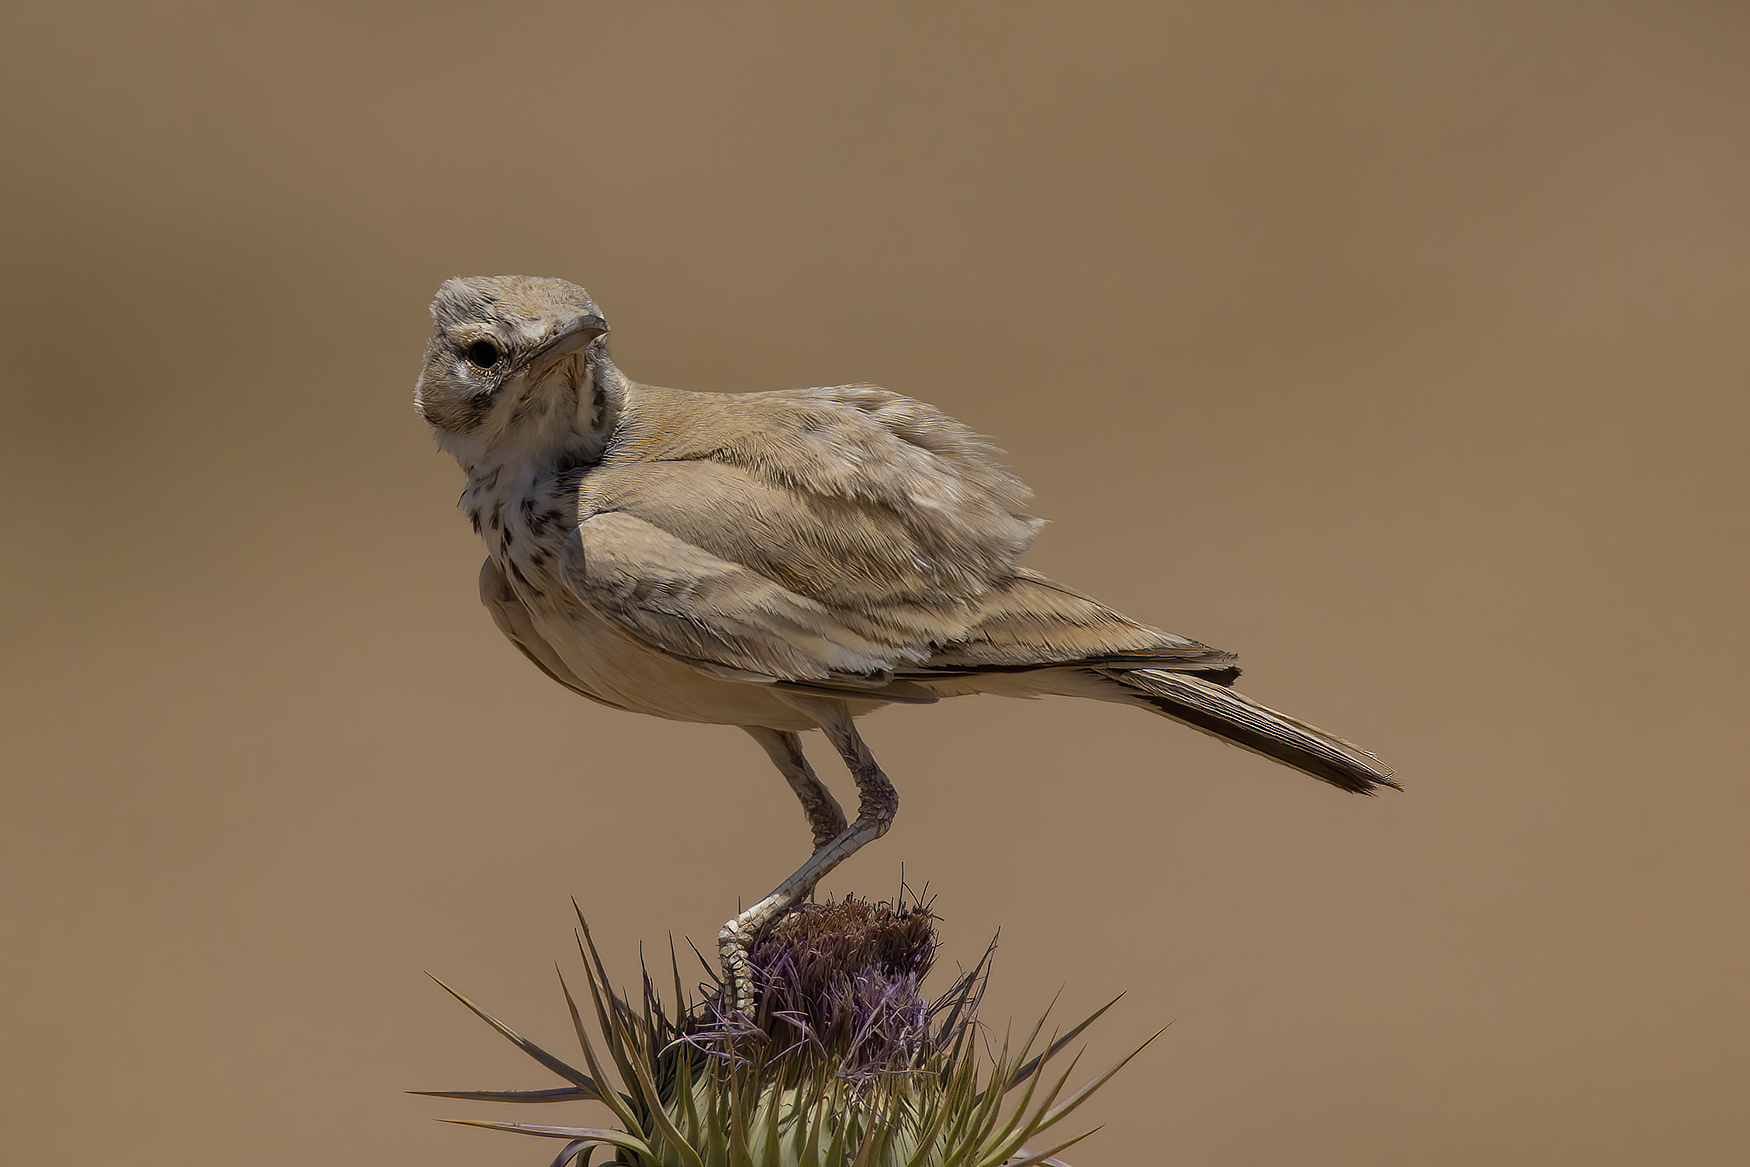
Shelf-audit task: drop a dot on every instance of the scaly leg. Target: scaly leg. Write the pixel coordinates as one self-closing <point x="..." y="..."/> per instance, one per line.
<point x="876" y="803"/>
<point x="825" y="816"/>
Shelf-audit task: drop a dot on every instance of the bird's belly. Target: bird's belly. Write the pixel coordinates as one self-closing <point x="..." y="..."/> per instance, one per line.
<point x="630" y="674"/>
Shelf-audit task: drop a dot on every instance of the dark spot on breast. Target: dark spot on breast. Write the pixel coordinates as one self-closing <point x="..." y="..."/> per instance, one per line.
<point x="509" y="536"/>
<point x="474" y="519"/>
<point x="496" y="521"/>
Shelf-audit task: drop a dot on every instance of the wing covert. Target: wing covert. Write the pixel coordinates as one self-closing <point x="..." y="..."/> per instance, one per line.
<point x="858" y="498"/>
<point x="718" y="615"/>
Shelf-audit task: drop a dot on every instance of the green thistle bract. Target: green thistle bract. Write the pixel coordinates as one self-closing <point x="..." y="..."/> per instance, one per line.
<point x="844" y="1063"/>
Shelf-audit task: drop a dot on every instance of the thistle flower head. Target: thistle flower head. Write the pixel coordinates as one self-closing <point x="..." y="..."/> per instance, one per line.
<point x="841" y="983"/>
<point x="845" y="1062"/>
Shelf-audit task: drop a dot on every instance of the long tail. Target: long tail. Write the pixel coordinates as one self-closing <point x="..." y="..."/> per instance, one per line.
<point x="1217" y="710"/>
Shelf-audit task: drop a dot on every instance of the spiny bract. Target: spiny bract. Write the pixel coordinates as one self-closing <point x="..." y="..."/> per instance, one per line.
<point x="844" y="1062"/>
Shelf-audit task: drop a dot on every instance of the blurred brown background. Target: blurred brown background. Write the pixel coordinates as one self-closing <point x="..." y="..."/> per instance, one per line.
<point x="1400" y="348"/>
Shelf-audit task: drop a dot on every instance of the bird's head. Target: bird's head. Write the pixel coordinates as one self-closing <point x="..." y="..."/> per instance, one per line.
<point x="517" y="360"/>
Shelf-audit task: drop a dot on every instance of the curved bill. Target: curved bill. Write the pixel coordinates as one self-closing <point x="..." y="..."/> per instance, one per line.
<point x="574" y="336"/>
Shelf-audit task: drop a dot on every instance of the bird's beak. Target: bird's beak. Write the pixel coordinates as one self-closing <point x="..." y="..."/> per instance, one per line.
<point x="576" y="335"/>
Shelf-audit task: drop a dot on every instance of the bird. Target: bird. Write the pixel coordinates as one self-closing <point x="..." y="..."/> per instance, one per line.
<point x="780" y="561"/>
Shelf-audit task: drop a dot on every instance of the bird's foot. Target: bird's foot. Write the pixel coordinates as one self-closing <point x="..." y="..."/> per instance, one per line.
<point x="733" y="943"/>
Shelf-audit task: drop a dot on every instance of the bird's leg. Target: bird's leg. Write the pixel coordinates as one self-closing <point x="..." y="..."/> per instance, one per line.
<point x="825" y="816"/>
<point x="877" y="801"/>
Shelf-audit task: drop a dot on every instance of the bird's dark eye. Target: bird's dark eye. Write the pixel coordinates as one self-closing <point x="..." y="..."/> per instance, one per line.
<point x="482" y="354"/>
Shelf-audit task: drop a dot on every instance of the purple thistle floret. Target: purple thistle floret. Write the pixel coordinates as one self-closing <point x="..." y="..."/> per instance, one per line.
<point x="843" y="982"/>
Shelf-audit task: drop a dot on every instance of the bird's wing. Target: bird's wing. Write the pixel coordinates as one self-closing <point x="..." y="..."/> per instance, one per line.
<point x="719" y="616"/>
<point x="839" y="536"/>
<point x="886" y="514"/>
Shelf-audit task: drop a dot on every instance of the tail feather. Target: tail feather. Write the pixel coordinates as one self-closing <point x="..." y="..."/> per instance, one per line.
<point x="1234" y="717"/>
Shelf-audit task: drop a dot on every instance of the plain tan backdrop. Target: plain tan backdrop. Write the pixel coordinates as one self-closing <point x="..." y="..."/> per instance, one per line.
<point x="1399" y="347"/>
